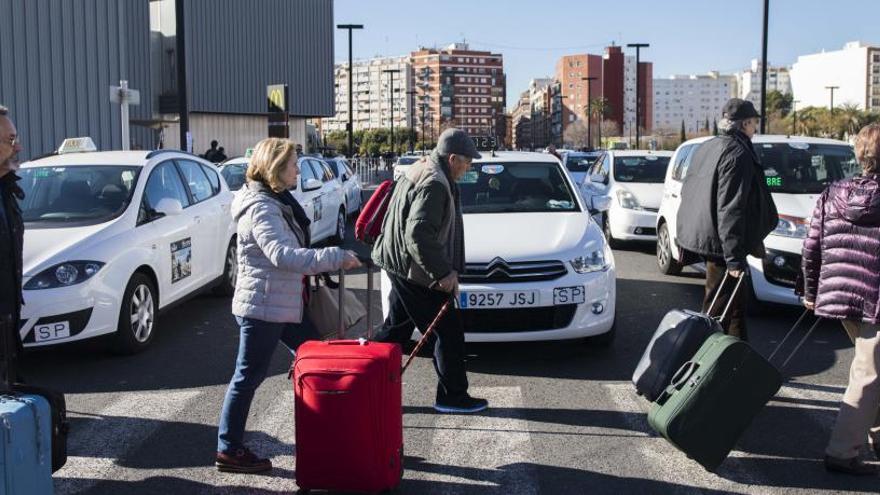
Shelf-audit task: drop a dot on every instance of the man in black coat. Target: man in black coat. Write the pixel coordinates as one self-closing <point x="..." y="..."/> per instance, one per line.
<point x="729" y="211"/>
<point x="11" y="227"/>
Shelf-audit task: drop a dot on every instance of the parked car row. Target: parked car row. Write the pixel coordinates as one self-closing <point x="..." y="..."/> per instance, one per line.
<point x="644" y="189"/>
<point x="112" y="238"/>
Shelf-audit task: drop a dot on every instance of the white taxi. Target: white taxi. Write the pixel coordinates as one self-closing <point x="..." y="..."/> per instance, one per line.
<point x="112" y="238"/>
<point x="319" y="192"/>
<point x="798" y="169"/>
<point x="537" y="265"/>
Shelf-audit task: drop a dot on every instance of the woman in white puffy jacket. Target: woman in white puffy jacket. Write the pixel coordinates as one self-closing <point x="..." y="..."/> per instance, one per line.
<point x="273" y="260"/>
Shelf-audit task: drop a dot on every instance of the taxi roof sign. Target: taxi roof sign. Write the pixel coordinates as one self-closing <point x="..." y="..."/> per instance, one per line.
<point x="248" y="152"/>
<point x="77" y="145"/>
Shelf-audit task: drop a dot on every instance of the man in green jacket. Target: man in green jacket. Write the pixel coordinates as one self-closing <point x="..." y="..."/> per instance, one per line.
<point x="421" y="249"/>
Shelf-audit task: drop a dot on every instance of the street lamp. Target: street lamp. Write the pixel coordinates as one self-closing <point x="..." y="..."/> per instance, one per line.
<point x="391" y="73"/>
<point x="832" y="88"/>
<point x="764" y="67"/>
<point x="589" y="109"/>
<point x="350" y="27"/>
<point x="412" y="118"/>
<point x="794" y="116"/>
<point x="638" y="47"/>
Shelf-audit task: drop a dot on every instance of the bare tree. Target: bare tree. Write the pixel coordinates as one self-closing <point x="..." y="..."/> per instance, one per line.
<point x="576" y="134"/>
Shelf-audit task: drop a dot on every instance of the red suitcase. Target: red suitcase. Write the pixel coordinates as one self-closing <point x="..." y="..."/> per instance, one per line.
<point x="349" y="416"/>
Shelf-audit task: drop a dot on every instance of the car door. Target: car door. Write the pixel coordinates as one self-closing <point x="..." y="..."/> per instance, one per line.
<point x="333" y="194"/>
<point x="173" y="234"/>
<point x="353" y="188"/>
<point x="597" y="183"/>
<point x="310" y="200"/>
<point x="672" y="190"/>
<point x="211" y="217"/>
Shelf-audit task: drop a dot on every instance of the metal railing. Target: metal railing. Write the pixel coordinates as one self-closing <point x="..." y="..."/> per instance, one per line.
<point x="370" y="170"/>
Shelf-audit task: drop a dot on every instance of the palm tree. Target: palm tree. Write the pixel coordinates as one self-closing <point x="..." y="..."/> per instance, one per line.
<point x="853" y="118"/>
<point x="600" y="108"/>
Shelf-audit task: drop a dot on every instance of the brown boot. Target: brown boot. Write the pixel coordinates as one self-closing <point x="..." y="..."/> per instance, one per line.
<point x="854" y="466"/>
<point x="241" y="461"/>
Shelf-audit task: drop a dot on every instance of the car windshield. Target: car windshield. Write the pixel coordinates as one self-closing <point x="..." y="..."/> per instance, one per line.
<point x="78" y="195"/>
<point x="407" y="160"/>
<point x="801" y="168"/>
<point x="515" y="188"/>
<point x="649" y="169"/>
<point x="580" y="162"/>
<point x="234" y="175"/>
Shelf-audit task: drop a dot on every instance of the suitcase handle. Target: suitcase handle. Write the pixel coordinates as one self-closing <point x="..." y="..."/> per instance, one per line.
<point x="680" y="377"/>
<point x="365" y="260"/>
<point x="800" y="343"/>
<point x="730" y="299"/>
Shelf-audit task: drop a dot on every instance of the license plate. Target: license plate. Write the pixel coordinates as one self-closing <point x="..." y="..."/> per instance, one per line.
<point x="569" y="295"/>
<point x="51" y="331"/>
<point x="499" y="299"/>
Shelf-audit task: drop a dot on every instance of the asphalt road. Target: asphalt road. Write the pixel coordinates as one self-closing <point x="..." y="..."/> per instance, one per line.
<point x="564" y="417"/>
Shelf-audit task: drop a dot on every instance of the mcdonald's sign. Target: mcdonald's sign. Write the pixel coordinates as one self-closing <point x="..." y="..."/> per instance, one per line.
<point x="276" y="95"/>
<point x="276" y="98"/>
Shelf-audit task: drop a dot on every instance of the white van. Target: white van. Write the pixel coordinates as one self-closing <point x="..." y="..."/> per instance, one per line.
<point x="798" y="169"/>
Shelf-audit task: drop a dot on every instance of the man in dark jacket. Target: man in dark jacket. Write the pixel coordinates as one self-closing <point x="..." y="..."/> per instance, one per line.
<point x="421" y="248"/>
<point x="11" y="228"/>
<point x="729" y="210"/>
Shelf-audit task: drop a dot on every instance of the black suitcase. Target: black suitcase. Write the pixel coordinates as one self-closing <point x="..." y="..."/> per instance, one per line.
<point x="676" y="340"/>
<point x="57" y="404"/>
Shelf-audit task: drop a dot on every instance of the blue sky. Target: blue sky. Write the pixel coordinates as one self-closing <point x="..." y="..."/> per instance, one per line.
<point x="686" y="36"/>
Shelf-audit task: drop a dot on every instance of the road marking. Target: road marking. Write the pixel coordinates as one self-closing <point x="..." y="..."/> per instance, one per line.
<point x="96" y="445"/>
<point x="483" y="449"/>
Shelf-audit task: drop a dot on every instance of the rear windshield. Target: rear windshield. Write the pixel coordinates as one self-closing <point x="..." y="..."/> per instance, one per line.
<point x="516" y="188"/>
<point x="647" y="169"/>
<point x="235" y="175"/>
<point x="580" y="162"/>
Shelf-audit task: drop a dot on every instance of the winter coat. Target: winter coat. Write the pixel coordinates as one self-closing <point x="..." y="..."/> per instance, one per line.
<point x="422" y="237"/>
<point x="11" y="246"/>
<point x="727" y="209"/>
<point x="841" y="257"/>
<point x="271" y="260"/>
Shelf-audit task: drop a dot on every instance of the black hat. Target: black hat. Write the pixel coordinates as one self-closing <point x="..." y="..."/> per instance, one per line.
<point x="737" y="109"/>
<point x="456" y="141"/>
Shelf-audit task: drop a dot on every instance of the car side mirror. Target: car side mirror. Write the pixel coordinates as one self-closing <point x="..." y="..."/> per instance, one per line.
<point x="312" y="185"/>
<point x="169" y="207"/>
<point x="599" y="204"/>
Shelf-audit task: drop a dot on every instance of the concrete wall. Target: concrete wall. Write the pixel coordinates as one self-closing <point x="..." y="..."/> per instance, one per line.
<point x="236" y="133"/>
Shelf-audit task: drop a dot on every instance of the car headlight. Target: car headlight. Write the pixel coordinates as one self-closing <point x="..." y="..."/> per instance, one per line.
<point x="790" y="226"/>
<point x="627" y="200"/>
<point x="594" y="262"/>
<point x="64" y="275"/>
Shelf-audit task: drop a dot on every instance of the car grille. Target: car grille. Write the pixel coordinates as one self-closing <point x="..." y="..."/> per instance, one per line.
<point x="500" y="271"/>
<point x="786" y="275"/>
<point x="517" y="320"/>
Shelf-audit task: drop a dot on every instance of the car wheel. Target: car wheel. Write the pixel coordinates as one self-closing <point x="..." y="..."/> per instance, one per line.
<point x="665" y="261"/>
<point x="339" y="236"/>
<point x="603" y="339"/>
<point x="137" y="315"/>
<point x="230" y="271"/>
<point x="609" y="237"/>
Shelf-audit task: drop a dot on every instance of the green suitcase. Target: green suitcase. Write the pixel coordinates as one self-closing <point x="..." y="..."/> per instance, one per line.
<point x="713" y="398"/>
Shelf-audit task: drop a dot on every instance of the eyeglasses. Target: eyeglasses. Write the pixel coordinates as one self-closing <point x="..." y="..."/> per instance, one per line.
<point x="13" y="140"/>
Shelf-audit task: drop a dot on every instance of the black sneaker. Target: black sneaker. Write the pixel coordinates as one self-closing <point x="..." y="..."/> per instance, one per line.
<point x="241" y="461"/>
<point x="464" y="405"/>
<point x="853" y="466"/>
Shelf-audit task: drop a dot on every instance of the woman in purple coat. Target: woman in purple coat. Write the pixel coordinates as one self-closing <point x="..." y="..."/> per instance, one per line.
<point x="841" y="267"/>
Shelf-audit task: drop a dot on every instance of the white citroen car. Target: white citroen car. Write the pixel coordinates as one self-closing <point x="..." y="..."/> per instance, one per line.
<point x="798" y="169"/>
<point x="113" y="237"/>
<point x="538" y="266"/>
<point x="634" y="182"/>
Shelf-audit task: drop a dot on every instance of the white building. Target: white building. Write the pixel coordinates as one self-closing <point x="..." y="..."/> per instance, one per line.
<point x="372" y="94"/>
<point x="855" y="70"/>
<point x="691" y="99"/>
<point x="749" y="82"/>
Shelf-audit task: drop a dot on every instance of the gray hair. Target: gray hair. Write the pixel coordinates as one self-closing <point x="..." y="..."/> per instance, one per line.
<point x="726" y="125"/>
<point x="3" y="111"/>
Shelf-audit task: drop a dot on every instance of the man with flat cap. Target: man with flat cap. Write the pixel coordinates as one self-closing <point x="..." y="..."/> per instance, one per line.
<point x="421" y="249"/>
<point x="730" y="211"/>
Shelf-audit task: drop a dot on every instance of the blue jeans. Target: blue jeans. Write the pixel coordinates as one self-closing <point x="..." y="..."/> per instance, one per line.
<point x="256" y="345"/>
